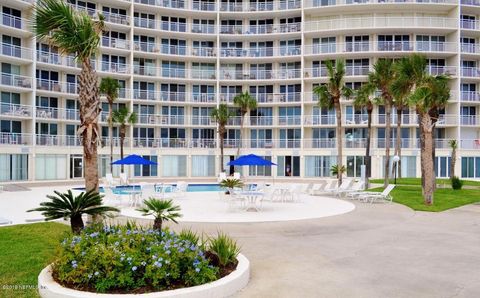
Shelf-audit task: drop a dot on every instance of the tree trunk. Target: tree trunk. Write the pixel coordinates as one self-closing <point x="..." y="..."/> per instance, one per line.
<point x="398" y="143"/>
<point x="453" y="160"/>
<point x="368" y="158"/>
<point x="388" y="125"/>
<point x="241" y="134"/>
<point x="110" y="133"/>
<point x="122" y="140"/>
<point x="76" y="223"/>
<point x="90" y="110"/>
<point x="427" y="164"/>
<point x="338" y="112"/>
<point x="220" y="133"/>
<point x="157" y="224"/>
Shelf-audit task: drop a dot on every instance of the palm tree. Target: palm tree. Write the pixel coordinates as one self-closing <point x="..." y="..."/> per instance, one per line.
<point x="245" y="102"/>
<point x="426" y="94"/>
<point x="400" y="104"/>
<point x="109" y="87"/>
<point x="123" y="117"/>
<point x="453" y="159"/>
<point x="221" y="115"/>
<point x="382" y="78"/>
<point x="75" y="33"/>
<point x="162" y="210"/>
<point x="329" y="95"/>
<point x="66" y="205"/>
<point x="364" y="100"/>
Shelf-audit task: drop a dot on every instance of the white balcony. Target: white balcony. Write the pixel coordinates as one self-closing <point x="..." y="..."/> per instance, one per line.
<point x="12" y="138"/>
<point x="323" y="3"/>
<point x="469" y="120"/>
<point x="322" y="72"/>
<point x="57" y="86"/>
<point x="283" y="74"/>
<point x="261" y="29"/>
<point x="111" y="67"/>
<point x="173" y="143"/>
<point x="15" y="51"/>
<point x="469" y="24"/>
<point x="472" y="72"/>
<point x="261" y="52"/>
<point x="115" y="43"/>
<point x="470" y="96"/>
<point x="14" y="22"/>
<point x="16" y="80"/>
<point x="49" y="113"/>
<point x="179" y="73"/>
<point x="15" y="110"/>
<point x="260" y="6"/>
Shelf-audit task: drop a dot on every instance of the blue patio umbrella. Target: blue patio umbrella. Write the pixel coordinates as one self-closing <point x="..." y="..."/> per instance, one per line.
<point x="251" y="160"/>
<point x="133" y="160"/>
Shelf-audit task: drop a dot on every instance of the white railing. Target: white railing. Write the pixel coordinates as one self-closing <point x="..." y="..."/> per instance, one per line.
<point x="57" y="113"/>
<point x="12" y="138"/>
<point x="175" y="50"/>
<point x="260" y="6"/>
<point x="380" y="46"/>
<point x="469" y="120"/>
<point x="57" y="86"/>
<point x="318" y="72"/>
<point x="261" y="29"/>
<point x="113" y="67"/>
<point x="470" y="96"/>
<point x="470" y="144"/>
<point x="380" y="22"/>
<point x="12" y="21"/>
<point x="174" y="26"/>
<point x="181" y="73"/>
<point x="469" y="24"/>
<point x="173" y="143"/>
<point x="261" y="52"/>
<point x="442" y="70"/>
<point x="17" y="110"/>
<point x="322" y="3"/>
<point x="473" y="72"/>
<point x="470" y="2"/>
<point x="282" y="74"/>
<point x="16" y="80"/>
<point x="15" y="51"/>
<point x="116" y="43"/>
<point x="277" y="97"/>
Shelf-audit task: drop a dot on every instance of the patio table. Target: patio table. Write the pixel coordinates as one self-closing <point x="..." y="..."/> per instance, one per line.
<point x="252" y="199"/>
<point x="134" y="194"/>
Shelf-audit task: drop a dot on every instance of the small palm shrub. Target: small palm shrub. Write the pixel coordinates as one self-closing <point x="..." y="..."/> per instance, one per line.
<point x="68" y="206"/>
<point x="123" y="260"/>
<point x="189" y="235"/>
<point x="231" y="183"/>
<point x="456" y="183"/>
<point x="162" y="210"/>
<point x="225" y="249"/>
<point x="335" y="170"/>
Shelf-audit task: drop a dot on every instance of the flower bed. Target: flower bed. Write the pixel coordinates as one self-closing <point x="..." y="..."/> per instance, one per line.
<point x="126" y="259"/>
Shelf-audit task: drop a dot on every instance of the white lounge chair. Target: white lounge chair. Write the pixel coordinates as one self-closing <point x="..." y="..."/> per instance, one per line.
<point x="317" y="188"/>
<point x="180" y="189"/>
<point x="113" y="199"/>
<point x="357" y="186"/>
<point x="148" y="191"/>
<point x="110" y="181"/>
<point x="384" y="195"/>
<point x="325" y="188"/>
<point x="123" y="179"/>
<point x="222" y="176"/>
<point x="344" y="186"/>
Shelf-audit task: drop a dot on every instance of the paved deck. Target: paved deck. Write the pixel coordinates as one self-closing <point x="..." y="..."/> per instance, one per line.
<point x="384" y="250"/>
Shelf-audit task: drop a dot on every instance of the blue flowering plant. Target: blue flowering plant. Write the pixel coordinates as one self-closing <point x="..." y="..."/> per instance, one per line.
<point x="130" y="259"/>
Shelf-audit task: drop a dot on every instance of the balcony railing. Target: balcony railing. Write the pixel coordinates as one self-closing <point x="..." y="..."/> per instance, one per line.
<point x="16" y="110"/>
<point x="473" y="72"/>
<point x="469" y="24"/>
<point x="57" y="113"/>
<point x="469" y="120"/>
<point x="282" y="74"/>
<point x="15" y="51"/>
<point x="260" y="6"/>
<point x="380" y="22"/>
<point x="470" y="2"/>
<point x="12" y="138"/>
<point x="319" y="72"/>
<point x="13" y="21"/>
<point x="261" y="52"/>
<point x="173" y="143"/>
<point x="56" y="86"/>
<point x="115" y="43"/>
<point x="174" y="26"/>
<point x="112" y="67"/>
<point x="261" y="29"/>
<point x="181" y="73"/>
<point x="16" y="80"/>
<point x="322" y="3"/>
<point x="470" y="96"/>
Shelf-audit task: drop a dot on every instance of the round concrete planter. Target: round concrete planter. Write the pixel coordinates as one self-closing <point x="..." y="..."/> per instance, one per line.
<point x="223" y="287"/>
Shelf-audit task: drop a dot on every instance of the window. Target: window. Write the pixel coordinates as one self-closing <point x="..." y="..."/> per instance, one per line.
<point x="261" y="26"/>
<point x="261" y="71"/>
<point x="203" y="93"/>
<point x="7" y="100"/>
<point x="290" y="93"/>
<point x="12" y="17"/>
<point x="319" y="166"/>
<point x="203" y="26"/>
<point x="288" y="166"/>
<point x="394" y="43"/>
<point x="354" y="164"/>
<point x="357" y="67"/>
<point x="231" y="27"/>
<point x="203" y="70"/>
<point x="261" y="49"/>
<point x="262" y="93"/>
<point x="468" y="22"/>
<point x="229" y="92"/>
<point x="261" y="170"/>
<point x="13" y="167"/>
<point x="261" y="138"/>
<point x="290" y="138"/>
<point x="50" y="167"/>
<point x="359" y="43"/>
<point x="172" y="137"/>
<point x="203" y="165"/>
<point x="144" y="67"/>
<point x="289" y="115"/>
<point x="324" y="45"/>
<point x="442" y="166"/>
<point x="173" y="69"/>
<point x="174" y="24"/>
<point x="11" y="46"/>
<point x="261" y="116"/>
<point x="172" y="92"/>
<point x="146" y="170"/>
<point x="430" y="43"/>
<point x="144" y="43"/>
<point x="144" y="20"/>
<point x="143" y="90"/>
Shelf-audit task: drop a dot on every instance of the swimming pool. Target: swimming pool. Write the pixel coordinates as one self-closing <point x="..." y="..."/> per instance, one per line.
<point x="194" y="187"/>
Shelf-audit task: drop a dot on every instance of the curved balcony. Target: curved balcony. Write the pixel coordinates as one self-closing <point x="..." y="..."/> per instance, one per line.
<point x="261" y="29"/>
<point x="13" y="138"/>
<point x="161" y="119"/>
<point x="266" y="6"/>
<point x="15" y="51"/>
<point x="13" y="80"/>
<point x="287" y="74"/>
<point x="15" y="110"/>
<point x="470" y="72"/>
<point x="49" y="113"/>
<point x="115" y="43"/>
<point x="350" y="48"/>
<point x="470" y="2"/>
<point x="178" y="73"/>
<point x="323" y="3"/>
<point x="175" y="50"/>
<point x="57" y="86"/>
<point x="14" y="22"/>
<point x="112" y="67"/>
<point x="470" y="96"/>
<point x="469" y="24"/>
<point x="261" y="52"/>
<point x="173" y="143"/>
<point x="321" y="72"/>
<point x="174" y="26"/>
<point x="469" y="120"/>
<point x="181" y="4"/>
<point x="339" y="24"/>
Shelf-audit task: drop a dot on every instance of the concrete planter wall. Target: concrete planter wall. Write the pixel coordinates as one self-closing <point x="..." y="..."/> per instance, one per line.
<point x="223" y="287"/>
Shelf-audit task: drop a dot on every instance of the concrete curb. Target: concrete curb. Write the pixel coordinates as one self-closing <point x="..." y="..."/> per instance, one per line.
<point x="224" y="287"/>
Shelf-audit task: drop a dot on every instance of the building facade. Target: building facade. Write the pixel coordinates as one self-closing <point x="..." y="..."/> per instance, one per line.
<point x="178" y="59"/>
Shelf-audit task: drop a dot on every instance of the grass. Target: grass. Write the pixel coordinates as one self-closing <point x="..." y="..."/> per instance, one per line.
<point x="444" y="198"/>
<point x="417" y="181"/>
<point x="25" y="251"/>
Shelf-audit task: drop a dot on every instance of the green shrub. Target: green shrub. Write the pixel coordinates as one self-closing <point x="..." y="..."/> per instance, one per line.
<point x="456" y="183"/>
<point x="231" y="183"/>
<point x="115" y="258"/>
<point x="225" y="248"/>
<point x="189" y="235"/>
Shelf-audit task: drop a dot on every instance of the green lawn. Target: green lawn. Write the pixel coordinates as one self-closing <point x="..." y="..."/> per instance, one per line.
<point x="416" y="181"/>
<point x="444" y="198"/>
<point x="24" y="251"/>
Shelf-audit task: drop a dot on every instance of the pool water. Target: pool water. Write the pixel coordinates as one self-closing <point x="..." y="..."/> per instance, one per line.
<point x="124" y="189"/>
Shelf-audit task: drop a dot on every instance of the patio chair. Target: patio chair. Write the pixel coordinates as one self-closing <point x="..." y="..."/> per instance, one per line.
<point x="357" y="186"/>
<point x="110" y="181"/>
<point x="325" y="188"/>
<point x="317" y="188"/>
<point x="236" y="175"/>
<point x="222" y="176"/>
<point x="123" y="179"/>
<point x="148" y="191"/>
<point x="234" y="198"/>
<point x="180" y="189"/>
<point x="111" y="198"/>
<point x="344" y="186"/>
<point x="384" y="195"/>
<point x="306" y="188"/>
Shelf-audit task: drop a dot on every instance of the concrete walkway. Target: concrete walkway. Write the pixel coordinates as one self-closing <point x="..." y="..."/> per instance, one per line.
<point x="381" y="250"/>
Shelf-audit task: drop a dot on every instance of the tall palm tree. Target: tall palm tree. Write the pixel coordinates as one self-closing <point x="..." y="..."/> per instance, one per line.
<point x="109" y="87"/>
<point x="123" y="117"/>
<point x="453" y="159"/>
<point x="382" y="78"/>
<point x="399" y="104"/>
<point x="329" y="96"/>
<point x="162" y="210"/>
<point x="245" y="102"/>
<point x="75" y="33"/>
<point x="66" y="205"/>
<point x="221" y="115"/>
<point x="426" y="94"/>
<point x="364" y="99"/>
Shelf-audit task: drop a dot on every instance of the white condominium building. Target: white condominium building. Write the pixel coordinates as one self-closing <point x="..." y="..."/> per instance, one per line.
<point x="177" y="60"/>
